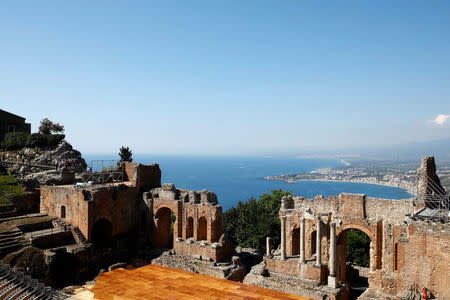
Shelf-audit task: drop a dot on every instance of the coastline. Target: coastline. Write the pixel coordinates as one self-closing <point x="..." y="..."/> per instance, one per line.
<point x="348" y="181"/>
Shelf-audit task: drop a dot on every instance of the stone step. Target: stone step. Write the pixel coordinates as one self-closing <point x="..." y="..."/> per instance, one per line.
<point x="3" y="241"/>
<point x="12" y="242"/>
<point x="10" y="234"/>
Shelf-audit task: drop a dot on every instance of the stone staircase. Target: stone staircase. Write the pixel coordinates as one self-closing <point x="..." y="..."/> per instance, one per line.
<point x="15" y="285"/>
<point x="79" y="236"/>
<point x="11" y="240"/>
<point x="9" y="210"/>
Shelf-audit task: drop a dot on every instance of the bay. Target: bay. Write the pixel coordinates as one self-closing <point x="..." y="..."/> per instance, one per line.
<point x="235" y="179"/>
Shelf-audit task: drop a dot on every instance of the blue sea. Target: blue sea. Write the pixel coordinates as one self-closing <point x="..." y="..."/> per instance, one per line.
<point x="236" y="179"/>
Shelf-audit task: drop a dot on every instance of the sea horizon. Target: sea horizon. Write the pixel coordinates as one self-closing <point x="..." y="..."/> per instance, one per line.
<point x="239" y="178"/>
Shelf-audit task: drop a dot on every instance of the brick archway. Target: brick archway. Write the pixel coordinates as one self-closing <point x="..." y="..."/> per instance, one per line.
<point x="347" y="273"/>
<point x="164" y="230"/>
<point x="190" y="227"/>
<point x="364" y="229"/>
<point x="202" y="229"/>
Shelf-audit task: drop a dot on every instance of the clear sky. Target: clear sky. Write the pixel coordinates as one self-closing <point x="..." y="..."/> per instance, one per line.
<point x="229" y="77"/>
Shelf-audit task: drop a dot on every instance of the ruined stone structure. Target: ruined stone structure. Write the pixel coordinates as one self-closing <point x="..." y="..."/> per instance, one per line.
<point x="104" y="213"/>
<point x="198" y="224"/>
<point x="111" y="214"/>
<point x="311" y="261"/>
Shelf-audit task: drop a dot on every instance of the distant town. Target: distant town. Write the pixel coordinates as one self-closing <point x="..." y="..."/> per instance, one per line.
<point x="389" y="173"/>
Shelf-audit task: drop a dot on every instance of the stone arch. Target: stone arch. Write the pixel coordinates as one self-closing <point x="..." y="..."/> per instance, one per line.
<point x="164" y="227"/>
<point x="102" y="234"/>
<point x="202" y="229"/>
<point x="347" y="272"/>
<point x="295" y="241"/>
<point x="364" y="229"/>
<point x="190" y="227"/>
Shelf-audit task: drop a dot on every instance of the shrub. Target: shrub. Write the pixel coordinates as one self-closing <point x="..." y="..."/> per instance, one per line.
<point x="54" y="139"/>
<point x="42" y="140"/>
<point x="36" y="140"/>
<point x="15" y="140"/>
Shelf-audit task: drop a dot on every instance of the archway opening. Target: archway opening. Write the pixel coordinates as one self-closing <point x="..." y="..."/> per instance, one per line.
<point x="164" y="233"/>
<point x="202" y="229"/>
<point x="190" y="228"/>
<point x="353" y="251"/>
<point x="63" y="211"/>
<point x="102" y="234"/>
<point x="295" y="246"/>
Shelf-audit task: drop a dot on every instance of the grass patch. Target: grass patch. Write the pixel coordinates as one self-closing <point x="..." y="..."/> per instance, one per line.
<point x="9" y="185"/>
<point x="7" y="179"/>
<point x="4" y="201"/>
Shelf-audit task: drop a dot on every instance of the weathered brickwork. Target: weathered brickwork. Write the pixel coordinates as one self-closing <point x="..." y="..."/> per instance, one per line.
<point x="111" y="206"/>
<point x="198" y="224"/>
<point x="113" y="213"/>
<point x="403" y="251"/>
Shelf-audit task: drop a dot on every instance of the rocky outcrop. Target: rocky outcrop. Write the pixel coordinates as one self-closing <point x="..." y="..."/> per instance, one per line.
<point x="51" y="177"/>
<point x="57" y="156"/>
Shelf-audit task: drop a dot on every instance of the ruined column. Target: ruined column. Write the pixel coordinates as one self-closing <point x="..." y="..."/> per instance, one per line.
<point x="268" y="246"/>
<point x="332" y="262"/>
<point x="283" y="237"/>
<point x="318" y="244"/>
<point x="302" y="241"/>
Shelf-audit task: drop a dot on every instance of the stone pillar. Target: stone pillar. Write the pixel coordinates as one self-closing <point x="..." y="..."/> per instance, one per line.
<point x="332" y="262"/>
<point x="283" y="237"/>
<point x="302" y="241"/>
<point x="268" y="246"/>
<point x="318" y="244"/>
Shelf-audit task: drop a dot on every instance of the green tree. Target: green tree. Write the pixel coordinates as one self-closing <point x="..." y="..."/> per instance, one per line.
<point x="125" y="154"/>
<point x="358" y="248"/>
<point x="48" y="127"/>
<point x="249" y="223"/>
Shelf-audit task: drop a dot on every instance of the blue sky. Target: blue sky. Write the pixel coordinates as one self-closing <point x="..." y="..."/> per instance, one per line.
<point x="229" y="77"/>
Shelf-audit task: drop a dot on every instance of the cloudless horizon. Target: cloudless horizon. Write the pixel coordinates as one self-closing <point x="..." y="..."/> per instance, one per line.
<point x="229" y="77"/>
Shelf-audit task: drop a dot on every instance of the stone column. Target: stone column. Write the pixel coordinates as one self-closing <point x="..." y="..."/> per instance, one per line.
<point x="332" y="262"/>
<point x="268" y="246"/>
<point x="283" y="237"/>
<point x="318" y="244"/>
<point x="302" y="241"/>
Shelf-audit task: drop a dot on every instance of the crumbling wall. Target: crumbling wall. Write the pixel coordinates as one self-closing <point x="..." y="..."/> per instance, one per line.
<point x="402" y="252"/>
<point x="145" y="177"/>
<point x="198" y="222"/>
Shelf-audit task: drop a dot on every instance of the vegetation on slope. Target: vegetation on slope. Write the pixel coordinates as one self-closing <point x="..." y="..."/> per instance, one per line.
<point x="9" y="185"/>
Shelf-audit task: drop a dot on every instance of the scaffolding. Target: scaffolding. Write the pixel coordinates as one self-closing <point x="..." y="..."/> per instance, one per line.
<point x="433" y="200"/>
<point x="104" y="171"/>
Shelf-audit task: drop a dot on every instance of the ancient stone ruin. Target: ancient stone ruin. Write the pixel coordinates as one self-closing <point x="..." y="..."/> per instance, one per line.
<point x="405" y="250"/>
<point x="198" y="225"/>
<point x="95" y="222"/>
